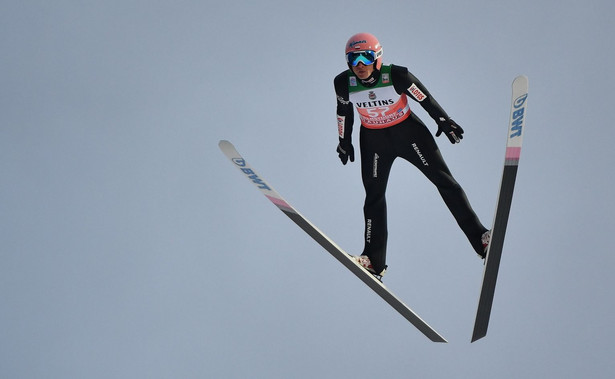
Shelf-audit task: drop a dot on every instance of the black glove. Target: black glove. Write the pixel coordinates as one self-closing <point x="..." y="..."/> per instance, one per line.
<point x="453" y="131"/>
<point x="345" y="151"/>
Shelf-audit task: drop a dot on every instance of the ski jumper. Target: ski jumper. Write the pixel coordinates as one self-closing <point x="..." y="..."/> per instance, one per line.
<point x="389" y="129"/>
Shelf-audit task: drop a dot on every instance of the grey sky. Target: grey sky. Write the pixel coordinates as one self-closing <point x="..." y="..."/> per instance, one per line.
<point x="130" y="247"/>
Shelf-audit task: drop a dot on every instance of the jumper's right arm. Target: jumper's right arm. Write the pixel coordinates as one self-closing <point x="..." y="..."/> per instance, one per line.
<point x="345" y="118"/>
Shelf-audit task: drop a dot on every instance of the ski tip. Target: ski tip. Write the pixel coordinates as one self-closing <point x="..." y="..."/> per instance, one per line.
<point x="521" y="79"/>
<point x="227" y="147"/>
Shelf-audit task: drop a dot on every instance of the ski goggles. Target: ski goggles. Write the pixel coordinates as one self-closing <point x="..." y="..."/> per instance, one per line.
<point x="366" y="57"/>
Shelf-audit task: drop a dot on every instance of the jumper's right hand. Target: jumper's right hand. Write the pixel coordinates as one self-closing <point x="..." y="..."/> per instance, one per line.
<point x="345" y="151"/>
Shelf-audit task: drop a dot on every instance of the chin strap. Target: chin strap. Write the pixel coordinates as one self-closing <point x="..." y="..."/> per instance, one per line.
<point x="372" y="80"/>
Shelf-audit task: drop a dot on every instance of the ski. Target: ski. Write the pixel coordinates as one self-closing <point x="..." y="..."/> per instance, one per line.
<point x="229" y="150"/>
<point x="516" y="127"/>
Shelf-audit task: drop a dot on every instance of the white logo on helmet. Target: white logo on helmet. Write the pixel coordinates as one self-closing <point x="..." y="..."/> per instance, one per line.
<point x="353" y="43"/>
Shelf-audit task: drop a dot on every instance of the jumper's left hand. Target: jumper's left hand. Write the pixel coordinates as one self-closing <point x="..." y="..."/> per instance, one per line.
<point x="453" y="131"/>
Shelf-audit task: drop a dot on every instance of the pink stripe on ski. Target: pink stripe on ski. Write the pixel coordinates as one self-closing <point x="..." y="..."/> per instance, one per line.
<point x="279" y="202"/>
<point x="513" y="152"/>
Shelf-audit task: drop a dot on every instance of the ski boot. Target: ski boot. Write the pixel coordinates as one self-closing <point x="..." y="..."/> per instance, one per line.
<point x="485" y="240"/>
<point x="363" y="261"/>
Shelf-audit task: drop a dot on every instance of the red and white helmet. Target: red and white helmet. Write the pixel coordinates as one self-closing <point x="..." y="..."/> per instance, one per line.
<point x="364" y="42"/>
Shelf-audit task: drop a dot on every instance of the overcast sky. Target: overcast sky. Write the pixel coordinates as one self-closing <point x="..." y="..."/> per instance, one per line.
<point x="131" y="248"/>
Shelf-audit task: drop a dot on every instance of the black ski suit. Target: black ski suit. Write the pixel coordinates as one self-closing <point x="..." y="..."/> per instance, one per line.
<point x="409" y="139"/>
